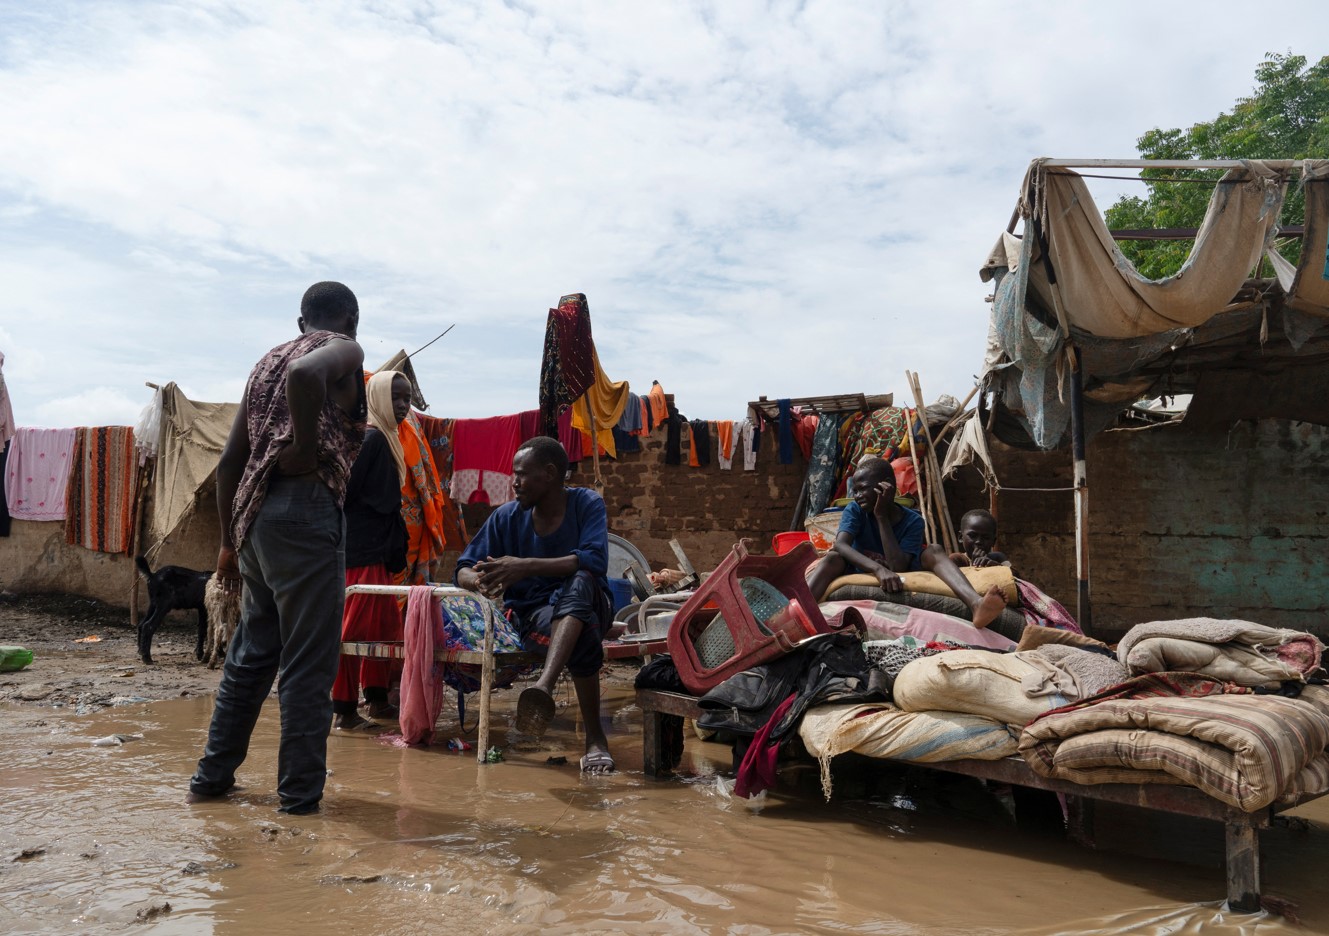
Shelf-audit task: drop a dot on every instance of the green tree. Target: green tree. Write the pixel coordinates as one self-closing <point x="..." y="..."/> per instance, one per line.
<point x="1286" y="117"/>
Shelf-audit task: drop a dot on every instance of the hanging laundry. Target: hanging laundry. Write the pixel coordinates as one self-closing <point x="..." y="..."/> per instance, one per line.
<point x="822" y="464"/>
<point x="568" y="367"/>
<point x="631" y="421"/>
<point x="37" y="473"/>
<point x="804" y="428"/>
<point x="673" y="435"/>
<point x="785" y="430"/>
<point x="7" y="424"/>
<point x="103" y="489"/>
<point x="571" y="438"/>
<point x="605" y="399"/>
<point x="724" y="436"/>
<point x="747" y="438"/>
<point x="699" y="455"/>
<point x="659" y="405"/>
<point x="482" y="458"/>
<point x="626" y="442"/>
<point x="880" y="433"/>
<point x="4" y="503"/>
<point x="647" y="423"/>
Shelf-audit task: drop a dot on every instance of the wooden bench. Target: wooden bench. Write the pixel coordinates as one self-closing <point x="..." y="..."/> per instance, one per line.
<point x="1242" y="828"/>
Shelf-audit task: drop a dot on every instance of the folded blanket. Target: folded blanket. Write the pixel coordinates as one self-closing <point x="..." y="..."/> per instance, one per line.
<point x="884" y="731"/>
<point x="1070" y="672"/>
<point x="1242" y="652"/>
<point x="1246" y="750"/>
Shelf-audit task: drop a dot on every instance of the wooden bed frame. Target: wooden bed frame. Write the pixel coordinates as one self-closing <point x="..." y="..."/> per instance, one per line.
<point x="1242" y="828"/>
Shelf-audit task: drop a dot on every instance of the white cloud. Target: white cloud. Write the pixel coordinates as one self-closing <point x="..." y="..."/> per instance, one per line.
<point x="779" y="198"/>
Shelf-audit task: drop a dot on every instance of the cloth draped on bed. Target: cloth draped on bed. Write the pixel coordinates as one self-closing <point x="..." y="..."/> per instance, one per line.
<point x="1248" y="751"/>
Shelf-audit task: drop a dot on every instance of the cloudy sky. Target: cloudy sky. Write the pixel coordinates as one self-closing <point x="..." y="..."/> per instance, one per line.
<point x="757" y="198"/>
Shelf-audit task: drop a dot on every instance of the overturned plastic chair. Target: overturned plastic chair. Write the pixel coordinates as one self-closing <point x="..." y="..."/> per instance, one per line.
<point x="750" y="610"/>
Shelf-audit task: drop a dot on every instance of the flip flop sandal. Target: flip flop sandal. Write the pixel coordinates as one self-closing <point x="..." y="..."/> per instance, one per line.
<point x="597" y="763"/>
<point x="535" y="710"/>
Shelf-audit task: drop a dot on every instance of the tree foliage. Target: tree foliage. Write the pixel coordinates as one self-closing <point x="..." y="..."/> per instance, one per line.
<point x="1286" y="117"/>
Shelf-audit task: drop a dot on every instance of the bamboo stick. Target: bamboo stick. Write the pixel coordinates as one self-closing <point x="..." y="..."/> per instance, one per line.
<point x="944" y="519"/>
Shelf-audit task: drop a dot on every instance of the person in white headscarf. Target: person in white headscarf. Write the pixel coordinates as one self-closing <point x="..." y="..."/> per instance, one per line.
<point x="375" y="553"/>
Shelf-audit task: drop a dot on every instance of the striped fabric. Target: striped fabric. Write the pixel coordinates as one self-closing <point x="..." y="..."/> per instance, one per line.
<point x="1246" y="750"/>
<point x="103" y="482"/>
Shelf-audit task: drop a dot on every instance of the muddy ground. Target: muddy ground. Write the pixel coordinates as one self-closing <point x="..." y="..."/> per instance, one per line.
<point x="70" y="671"/>
<point x="96" y="673"/>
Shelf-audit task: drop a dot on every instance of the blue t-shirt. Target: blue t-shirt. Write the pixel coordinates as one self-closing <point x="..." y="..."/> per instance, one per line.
<point x="510" y="531"/>
<point x="909" y="532"/>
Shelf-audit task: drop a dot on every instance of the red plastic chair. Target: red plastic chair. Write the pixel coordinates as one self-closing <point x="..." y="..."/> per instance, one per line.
<point x="716" y="634"/>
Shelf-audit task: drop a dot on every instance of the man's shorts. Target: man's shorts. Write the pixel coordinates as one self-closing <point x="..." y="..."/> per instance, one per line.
<point x="580" y="597"/>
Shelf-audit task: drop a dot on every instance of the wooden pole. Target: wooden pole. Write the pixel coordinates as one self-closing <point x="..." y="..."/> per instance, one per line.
<point x="959" y="415"/>
<point x="595" y="444"/>
<point x="920" y="472"/>
<point x="1084" y="611"/>
<point x="947" y="527"/>
<point x="136" y="534"/>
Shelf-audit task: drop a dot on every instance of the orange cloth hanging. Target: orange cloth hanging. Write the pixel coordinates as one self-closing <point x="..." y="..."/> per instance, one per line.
<point x="659" y="407"/>
<point x="608" y="398"/>
<point x="724" y="431"/>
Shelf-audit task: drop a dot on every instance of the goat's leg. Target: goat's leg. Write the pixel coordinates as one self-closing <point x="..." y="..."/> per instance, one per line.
<point x="202" y="632"/>
<point x="147" y="629"/>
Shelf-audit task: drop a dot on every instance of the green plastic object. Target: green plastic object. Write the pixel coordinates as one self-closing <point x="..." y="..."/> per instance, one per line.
<point x="14" y="658"/>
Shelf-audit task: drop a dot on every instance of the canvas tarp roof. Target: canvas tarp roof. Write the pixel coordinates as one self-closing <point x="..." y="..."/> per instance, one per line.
<point x="191" y="439"/>
<point x="1064" y="281"/>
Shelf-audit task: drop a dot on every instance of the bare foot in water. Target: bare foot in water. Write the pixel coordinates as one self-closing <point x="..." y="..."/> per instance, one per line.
<point x="989" y="607"/>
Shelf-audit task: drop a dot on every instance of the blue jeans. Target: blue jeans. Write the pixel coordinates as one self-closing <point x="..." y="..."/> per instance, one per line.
<point x="293" y="562"/>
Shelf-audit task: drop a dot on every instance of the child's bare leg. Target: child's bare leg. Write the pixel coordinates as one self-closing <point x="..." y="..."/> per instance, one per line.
<point x="985" y="608"/>
<point x="830" y="568"/>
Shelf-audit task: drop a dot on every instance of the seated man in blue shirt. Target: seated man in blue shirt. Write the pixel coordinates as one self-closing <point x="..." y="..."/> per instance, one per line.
<point x="879" y="537"/>
<point x="546" y="554"/>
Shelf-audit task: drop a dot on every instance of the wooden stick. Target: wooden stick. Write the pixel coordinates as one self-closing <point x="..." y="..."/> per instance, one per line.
<point x="595" y="443"/>
<point x="947" y="533"/>
<point x="959" y="415"/>
<point x="920" y="473"/>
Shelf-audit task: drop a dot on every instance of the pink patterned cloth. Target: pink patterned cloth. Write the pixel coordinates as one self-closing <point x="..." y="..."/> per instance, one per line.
<point x="1042" y="610"/>
<point x="421" y="678"/>
<point x="37" y="473"/>
<point x="887" y="621"/>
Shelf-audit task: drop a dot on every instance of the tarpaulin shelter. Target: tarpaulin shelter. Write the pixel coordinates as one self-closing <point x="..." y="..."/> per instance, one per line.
<point x="190" y="442"/>
<point x="1077" y="335"/>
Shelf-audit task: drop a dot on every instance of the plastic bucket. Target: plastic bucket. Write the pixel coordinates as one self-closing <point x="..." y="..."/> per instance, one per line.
<point x="784" y="542"/>
<point x="621" y="589"/>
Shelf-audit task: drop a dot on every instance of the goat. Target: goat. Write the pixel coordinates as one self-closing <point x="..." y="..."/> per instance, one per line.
<point x="171" y="588"/>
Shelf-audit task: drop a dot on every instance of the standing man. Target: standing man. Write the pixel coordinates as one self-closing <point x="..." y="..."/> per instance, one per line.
<point x="546" y="554"/>
<point x="281" y="484"/>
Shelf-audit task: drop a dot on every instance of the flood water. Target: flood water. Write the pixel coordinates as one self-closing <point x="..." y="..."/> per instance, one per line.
<point x="424" y="840"/>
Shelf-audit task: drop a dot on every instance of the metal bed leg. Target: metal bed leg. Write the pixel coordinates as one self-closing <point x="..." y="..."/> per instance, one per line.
<point x="486" y="688"/>
<point x="1243" y="866"/>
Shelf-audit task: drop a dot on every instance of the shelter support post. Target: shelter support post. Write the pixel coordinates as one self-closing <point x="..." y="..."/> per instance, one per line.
<point x="486" y="687"/>
<point x="1084" y="612"/>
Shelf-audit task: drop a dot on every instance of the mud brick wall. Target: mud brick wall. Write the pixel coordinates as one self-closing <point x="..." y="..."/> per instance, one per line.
<point x="706" y="509"/>
<point x="1182" y="523"/>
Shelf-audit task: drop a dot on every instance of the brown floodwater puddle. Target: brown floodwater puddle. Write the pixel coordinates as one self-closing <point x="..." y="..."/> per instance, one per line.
<point x="97" y="839"/>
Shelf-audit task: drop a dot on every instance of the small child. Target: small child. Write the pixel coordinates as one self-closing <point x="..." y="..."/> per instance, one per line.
<point x="978" y="534"/>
